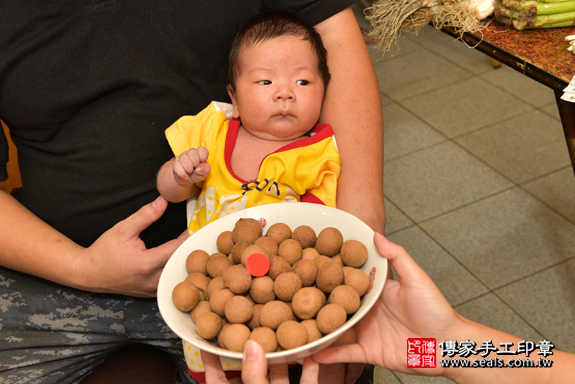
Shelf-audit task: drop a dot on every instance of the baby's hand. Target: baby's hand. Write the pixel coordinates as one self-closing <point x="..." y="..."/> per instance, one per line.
<point x="191" y="166"/>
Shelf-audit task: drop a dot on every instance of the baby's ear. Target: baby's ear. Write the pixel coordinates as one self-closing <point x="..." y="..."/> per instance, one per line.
<point x="231" y="93"/>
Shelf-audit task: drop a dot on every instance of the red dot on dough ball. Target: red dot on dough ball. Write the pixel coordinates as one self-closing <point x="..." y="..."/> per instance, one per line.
<point x="257" y="264"/>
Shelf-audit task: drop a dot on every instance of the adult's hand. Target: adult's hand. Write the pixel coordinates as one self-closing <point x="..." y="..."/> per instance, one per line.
<point x="255" y="369"/>
<point x="410" y="307"/>
<point x="118" y="261"/>
<point x="414" y="307"/>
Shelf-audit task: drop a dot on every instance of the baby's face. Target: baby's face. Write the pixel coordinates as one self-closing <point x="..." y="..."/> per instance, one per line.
<point x="279" y="91"/>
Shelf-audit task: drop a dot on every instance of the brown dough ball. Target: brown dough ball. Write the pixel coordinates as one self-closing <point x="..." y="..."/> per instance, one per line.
<point x="201" y="281"/>
<point x="216" y="264"/>
<point x="345" y="296"/>
<point x="330" y="318"/>
<point x="201" y="308"/>
<point x="218" y="300"/>
<point x="286" y="285"/>
<point x="329" y="241"/>
<point x="329" y="276"/>
<point x="196" y="261"/>
<point x="215" y="285"/>
<point x="238" y="309"/>
<point x="237" y="250"/>
<point x="222" y="332"/>
<point x="247" y="296"/>
<point x="309" y="253"/>
<point x="255" y="321"/>
<point x="279" y="232"/>
<point x="307" y="302"/>
<point x="291" y="251"/>
<point x="321" y="259"/>
<point x="247" y="230"/>
<point x="252" y="223"/>
<point x="244" y="233"/>
<point x="313" y="332"/>
<point x="237" y="279"/>
<point x="278" y="266"/>
<point x="305" y="235"/>
<point x="291" y="334"/>
<point x="307" y="270"/>
<point x="185" y="296"/>
<point x="262" y="290"/>
<point x="208" y="325"/>
<point x="274" y="313"/>
<point x="353" y="253"/>
<point x="266" y="337"/>
<point x="357" y="279"/>
<point x="268" y="244"/>
<point x="235" y="337"/>
<point x="250" y="249"/>
<point x="337" y="259"/>
<point x="224" y="242"/>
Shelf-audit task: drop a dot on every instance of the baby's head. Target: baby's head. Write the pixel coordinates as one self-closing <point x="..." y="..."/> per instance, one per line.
<point x="278" y="75"/>
<point x="272" y="24"/>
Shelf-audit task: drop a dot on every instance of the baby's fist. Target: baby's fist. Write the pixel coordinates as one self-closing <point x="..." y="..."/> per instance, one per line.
<point x="191" y="166"/>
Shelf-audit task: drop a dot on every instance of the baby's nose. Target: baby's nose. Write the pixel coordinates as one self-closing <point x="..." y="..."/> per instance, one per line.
<point x="284" y="92"/>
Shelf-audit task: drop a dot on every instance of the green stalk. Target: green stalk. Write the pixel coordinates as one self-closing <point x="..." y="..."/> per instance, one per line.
<point x="545" y="21"/>
<point x="569" y="23"/>
<point x="543" y="8"/>
<point x="527" y="13"/>
<point x="555" y="18"/>
<point x="550" y="8"/>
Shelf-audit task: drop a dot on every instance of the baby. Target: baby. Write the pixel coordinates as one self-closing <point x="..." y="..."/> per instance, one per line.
<point x="267" y="146"/>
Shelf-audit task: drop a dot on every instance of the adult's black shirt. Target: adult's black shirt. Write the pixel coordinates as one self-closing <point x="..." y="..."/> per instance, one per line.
<point x="87" y="89"/>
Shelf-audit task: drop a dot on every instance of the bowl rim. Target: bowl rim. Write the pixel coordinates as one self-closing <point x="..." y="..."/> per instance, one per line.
<point x="166" y="306"/>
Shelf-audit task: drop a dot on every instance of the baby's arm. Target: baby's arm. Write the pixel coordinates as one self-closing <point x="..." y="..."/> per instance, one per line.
<point x="177" y="177"/>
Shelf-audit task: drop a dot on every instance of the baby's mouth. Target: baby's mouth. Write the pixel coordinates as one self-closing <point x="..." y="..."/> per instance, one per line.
<point x="284" y="114"/>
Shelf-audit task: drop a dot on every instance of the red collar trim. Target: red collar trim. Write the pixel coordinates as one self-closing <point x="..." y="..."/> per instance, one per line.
<point x="319" y="132"/>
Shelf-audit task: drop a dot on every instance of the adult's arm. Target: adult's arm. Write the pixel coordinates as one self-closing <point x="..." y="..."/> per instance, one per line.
<point x="353" y="108"/>
<point x="117" y="262"/>
<point x="413" y="307"/>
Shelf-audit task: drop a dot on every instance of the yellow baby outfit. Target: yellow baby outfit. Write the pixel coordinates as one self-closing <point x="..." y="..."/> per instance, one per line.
<point x="305" y="170"/>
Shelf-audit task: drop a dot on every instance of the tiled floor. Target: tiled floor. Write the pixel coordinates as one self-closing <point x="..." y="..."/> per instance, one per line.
<point x="479" y="187"/>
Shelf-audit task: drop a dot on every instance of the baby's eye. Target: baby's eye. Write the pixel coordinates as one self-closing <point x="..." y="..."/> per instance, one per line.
<point x="302" y="82"/>
<point x="264" y="82"/>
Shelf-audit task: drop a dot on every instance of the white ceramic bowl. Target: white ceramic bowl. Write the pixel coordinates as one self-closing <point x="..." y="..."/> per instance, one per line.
<point x="293" y="214"/>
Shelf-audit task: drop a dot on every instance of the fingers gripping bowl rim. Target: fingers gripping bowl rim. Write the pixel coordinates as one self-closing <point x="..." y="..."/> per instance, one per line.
<point x="293" y="214"/>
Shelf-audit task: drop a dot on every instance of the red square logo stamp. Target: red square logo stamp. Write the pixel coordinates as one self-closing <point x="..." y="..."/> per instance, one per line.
<point x="421" y="353"/>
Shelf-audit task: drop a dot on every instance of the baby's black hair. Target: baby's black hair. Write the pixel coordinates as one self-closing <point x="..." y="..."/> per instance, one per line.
<point x="270" y="24"/>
